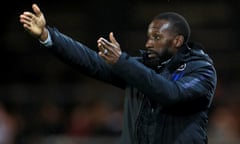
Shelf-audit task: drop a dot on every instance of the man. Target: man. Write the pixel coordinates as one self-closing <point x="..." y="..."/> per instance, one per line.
<point x="169" y="88"/>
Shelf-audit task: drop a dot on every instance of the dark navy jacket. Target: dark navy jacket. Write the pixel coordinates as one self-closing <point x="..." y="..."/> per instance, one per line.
<point x="164" y="106"/>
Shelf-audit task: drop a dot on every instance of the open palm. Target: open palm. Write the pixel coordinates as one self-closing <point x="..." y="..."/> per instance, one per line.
<point x="35" y="22"/>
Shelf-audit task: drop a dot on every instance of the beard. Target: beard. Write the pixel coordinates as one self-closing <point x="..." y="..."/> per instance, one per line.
<point x="155" y="61"/>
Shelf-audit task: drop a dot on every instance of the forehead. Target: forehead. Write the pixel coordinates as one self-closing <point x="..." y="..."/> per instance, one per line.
<point x="158" y="26"/>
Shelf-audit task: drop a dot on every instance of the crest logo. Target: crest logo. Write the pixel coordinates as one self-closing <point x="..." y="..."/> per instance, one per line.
<point x="182" y="67"/>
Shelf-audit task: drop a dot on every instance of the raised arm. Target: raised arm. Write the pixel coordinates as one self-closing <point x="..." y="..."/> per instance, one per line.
<point x="68" y="50"/>
<point x="197" y="85"/>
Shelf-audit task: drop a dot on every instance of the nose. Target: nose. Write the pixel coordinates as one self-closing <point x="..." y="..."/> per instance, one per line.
<point x="149" y="43"/>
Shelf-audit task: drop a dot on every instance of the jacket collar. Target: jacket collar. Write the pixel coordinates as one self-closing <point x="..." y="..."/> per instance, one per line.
<point x="179" y="58"/>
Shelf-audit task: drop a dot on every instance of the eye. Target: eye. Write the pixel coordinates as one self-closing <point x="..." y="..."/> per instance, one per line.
<point x="156" y="37"/>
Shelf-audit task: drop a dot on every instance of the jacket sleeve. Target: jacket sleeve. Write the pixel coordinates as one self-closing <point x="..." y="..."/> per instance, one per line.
<point x="82" y="58"/>
<point x="199" y="83"/>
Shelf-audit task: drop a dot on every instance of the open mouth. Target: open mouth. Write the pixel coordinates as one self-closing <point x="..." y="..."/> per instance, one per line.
<point x="152" y="54"/>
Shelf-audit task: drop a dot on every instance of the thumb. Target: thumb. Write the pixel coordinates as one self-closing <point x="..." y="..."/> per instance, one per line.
<point x="112" y="38"/>
<point x="36" y="9"/>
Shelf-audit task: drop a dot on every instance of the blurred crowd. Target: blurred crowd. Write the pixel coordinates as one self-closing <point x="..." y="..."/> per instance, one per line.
<point x="96" y="111"/>
<point x="224" y="121"/>
<point x="95" y="120"/>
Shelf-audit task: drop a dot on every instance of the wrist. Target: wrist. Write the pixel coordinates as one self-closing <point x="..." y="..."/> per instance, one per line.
<point x="44" y="35"/>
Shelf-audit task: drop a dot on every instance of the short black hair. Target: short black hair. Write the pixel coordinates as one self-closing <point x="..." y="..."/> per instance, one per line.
<point x="178" y="23"/>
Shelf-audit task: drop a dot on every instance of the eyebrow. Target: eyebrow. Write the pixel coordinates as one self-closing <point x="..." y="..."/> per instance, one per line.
<point x="154" y="33"/>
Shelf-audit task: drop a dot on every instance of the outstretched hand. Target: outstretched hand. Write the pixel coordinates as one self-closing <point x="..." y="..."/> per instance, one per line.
<point x="34" y="23"/>
<point x="110" y="51"/>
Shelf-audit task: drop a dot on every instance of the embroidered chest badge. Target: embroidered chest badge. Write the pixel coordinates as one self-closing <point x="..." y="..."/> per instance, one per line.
<point x="179" y="72"/>
<point x="182" y="67"/>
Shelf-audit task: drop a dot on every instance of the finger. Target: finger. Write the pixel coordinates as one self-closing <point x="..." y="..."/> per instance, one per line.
<point x="23" y="21"/>
<point x="26" y="27"/>
<point x="28" y="14"/>
<point x="99" y="44"/>
<point x="25" y="18"/>
<point x="111" y="48"/>
<point x="106" y="42"/>
<point x="100" y="47"/>
<point x="112" y="38"/>
<point x="36" y="9"/>
<point x="105" y="57"/>
<point x="99" y="40"/>
<point x="108" y="46"/>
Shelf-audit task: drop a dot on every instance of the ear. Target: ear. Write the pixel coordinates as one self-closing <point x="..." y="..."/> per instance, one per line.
<point x="178" y="41"/>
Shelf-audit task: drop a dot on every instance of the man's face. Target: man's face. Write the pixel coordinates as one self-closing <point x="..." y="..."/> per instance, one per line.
<point x="160" y="39"/>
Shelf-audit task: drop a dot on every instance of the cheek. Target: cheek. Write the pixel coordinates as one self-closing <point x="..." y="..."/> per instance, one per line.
<point x="162" y="45"/>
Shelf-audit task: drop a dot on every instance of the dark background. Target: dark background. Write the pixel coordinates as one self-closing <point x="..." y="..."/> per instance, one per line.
<point x="42" y="96"/>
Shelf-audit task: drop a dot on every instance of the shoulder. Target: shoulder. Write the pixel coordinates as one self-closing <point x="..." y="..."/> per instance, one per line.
<point x="198" y="58"/>
<point x="199" y="65"/>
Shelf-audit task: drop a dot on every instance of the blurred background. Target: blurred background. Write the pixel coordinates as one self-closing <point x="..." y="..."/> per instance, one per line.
<point x="43" y="100"/>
